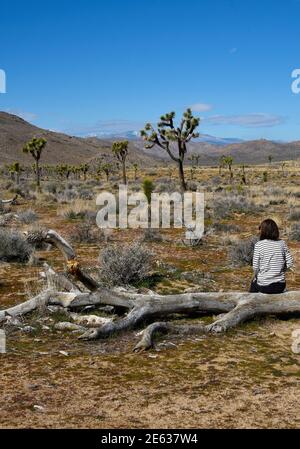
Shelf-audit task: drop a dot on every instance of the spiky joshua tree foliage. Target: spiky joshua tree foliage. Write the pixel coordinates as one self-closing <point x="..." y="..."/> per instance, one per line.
<point x="167" y="135"/>
<point x="120" y="151"/>
<point x="35" y="147"/>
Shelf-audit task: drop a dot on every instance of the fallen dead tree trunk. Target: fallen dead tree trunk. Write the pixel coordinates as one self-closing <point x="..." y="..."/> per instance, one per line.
<point x="238" y="307"/>
<point x="138" y="309"/>
<point x="11" y="201"/>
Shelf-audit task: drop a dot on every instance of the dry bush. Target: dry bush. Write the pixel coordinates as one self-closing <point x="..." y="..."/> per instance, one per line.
<point x="27" y="216"/>
<point x="13" y="246"/>
<point x="295" y="232"/>
<point x="241" y="251"/>
<point x="294" y="215"/>
<point x="85" y="233"/>
<point x="225" y="206"/>
<point x="124" y="265"/>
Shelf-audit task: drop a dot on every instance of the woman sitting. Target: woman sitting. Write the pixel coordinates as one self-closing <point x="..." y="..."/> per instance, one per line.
<point x="271" y="260"/>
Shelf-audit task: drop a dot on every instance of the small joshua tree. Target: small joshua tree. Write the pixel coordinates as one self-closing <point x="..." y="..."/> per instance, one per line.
<point x="84" y="168"/>
<point x="167" y="134"/>
<point x="16" y="169"/>
<point x="105" y="168"/>
<point x="270" y="159"/>
<point x="120" y="151"/>
<point x="135" y="168"/>
<point x="228" y="162"/>
<point x="35" y="147"/>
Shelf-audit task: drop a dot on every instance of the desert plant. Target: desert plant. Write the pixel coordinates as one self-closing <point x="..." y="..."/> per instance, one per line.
<point x="13" y="246"/>
<point x="85" y="233"/>
<point x="27" y="216"/>
<point x="148" y="188"/>
<point x="120" y="151"/>
<point x="35" y="147"/>
<point x="124" y="265"/>
<point x="295" y="232"/>
<point x="228" y="162"/>
<point x="167" y="134"/>
<point x="225" y="206"/>
<point x="294" y="215"/>
<point x="241" y="252"/>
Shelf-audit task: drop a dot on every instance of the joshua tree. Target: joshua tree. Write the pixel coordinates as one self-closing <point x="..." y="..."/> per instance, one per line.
<point x="106" y="168"/>
<point x="221" y="164"/>
<point x="35" y="147"/>
<point x="243" y="176"/>
<point x="167" y="133"/>
<point x="16" y="169"/>
<point x="148" y="188"/>
<point x="135" y="168"/>
<point x="228" y="161"/>
<point x="270" y="158"/>
<point x="84" y="168"/>
<point x="120" y="150"/>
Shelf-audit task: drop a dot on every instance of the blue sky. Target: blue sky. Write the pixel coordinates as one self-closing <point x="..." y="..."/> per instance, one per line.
<point x="89" y="66"/>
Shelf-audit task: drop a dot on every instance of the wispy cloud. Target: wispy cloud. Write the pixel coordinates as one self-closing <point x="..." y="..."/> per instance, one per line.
<point x="201" y="107"/>
<point x="233" y="50"/>
<point x="103" y="127"/>
<point x="28" y="116"/>
<point x="256" y="120"/>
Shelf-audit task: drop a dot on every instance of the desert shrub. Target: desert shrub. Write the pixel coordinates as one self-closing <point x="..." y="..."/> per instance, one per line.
<point x="27" y="216"/>
<point x="192" y="186"/>
<point x="152" y="235"/>
<point x="85" y="194"/>
<point x="226" y="205"/>
<point x="295" y="232"/>
<point x="294" y="215"/>
<point x="67" y="196"/>
<point x="85" y="233"/>
<point x="226" y="227"/>
<point x="123" y="265"/>
<point x="50" y="187"/>
<point x="241" y="251"/>
<point x="13" y="246"/>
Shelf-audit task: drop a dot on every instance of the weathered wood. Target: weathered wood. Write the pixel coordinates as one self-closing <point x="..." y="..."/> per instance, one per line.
<point x="10" y="201"/>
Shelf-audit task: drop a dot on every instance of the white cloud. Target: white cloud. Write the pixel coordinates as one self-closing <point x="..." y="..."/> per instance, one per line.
<point x="201" y="107"/>
<point x="257" y="120"/>
<point x="103" y="127"/>
<point x="28" y="116"/>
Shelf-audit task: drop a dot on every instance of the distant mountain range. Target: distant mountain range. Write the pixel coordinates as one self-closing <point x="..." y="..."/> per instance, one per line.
<point x="62" y="148"/>
<point x="135" y="135"/>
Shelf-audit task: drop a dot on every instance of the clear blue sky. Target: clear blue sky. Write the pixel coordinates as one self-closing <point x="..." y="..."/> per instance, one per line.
<point x="82" y="66"/>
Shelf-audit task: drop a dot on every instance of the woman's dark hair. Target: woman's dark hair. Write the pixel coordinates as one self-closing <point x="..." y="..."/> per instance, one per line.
<point x="269" y="230"/>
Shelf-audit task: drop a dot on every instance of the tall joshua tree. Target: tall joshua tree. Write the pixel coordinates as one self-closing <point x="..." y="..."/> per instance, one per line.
<point x="167" y="134"/>
<point x="35" y="147"/>
<point x="120" y="151"/>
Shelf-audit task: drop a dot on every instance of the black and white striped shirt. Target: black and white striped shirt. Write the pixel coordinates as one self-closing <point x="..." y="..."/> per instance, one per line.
<point x="271" y="260"/>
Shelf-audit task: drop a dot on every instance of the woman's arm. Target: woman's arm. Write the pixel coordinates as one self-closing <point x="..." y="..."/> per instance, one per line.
<point x="288" y="257"/>
<point x="255" y="263"/>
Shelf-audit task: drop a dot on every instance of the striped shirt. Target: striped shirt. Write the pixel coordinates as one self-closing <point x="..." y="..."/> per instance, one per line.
<point x="270" y="261"/>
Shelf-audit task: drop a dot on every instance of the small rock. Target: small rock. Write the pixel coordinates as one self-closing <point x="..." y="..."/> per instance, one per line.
<point x="40" y="408"/>
<point x="296" y="346"/>
<point x="64" y="353"/>
<point x="28" y="329"/>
